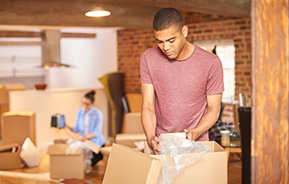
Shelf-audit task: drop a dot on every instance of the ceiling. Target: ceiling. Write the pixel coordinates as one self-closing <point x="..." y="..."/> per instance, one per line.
<point x="125" y="13"/>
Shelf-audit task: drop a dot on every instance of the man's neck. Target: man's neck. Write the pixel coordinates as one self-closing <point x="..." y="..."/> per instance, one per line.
<point x="186" y="51"/>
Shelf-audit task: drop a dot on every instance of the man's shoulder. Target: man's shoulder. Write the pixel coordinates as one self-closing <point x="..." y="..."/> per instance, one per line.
<point x="152" y="51"/>
<point x="206" y="56"/>
<point x="204" y="52"/>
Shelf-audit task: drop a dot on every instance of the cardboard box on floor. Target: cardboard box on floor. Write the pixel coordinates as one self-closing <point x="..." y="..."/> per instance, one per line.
<point x="133" y="123"/>
<point x="142" y="168"/>
<point x="4" y="91"/>
<point x="129" y="139"/>
<point x="3" y="108"/>
<point x="10" y="159"/>
<point x="17" y="126"/>
<point x="68" y="166"/>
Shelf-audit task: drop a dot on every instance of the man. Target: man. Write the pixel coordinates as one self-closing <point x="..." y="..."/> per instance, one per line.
<point x="182" y="84"/>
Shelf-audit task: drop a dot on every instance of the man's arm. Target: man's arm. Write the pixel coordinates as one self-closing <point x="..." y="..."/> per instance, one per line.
<point x="209" y="119"/>
<point x="148" y="116"/>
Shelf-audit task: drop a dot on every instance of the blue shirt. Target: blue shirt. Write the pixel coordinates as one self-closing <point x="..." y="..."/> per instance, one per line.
<point x="95" y="122"/>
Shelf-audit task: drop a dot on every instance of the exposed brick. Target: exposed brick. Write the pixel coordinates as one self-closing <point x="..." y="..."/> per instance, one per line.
<point x="196" y="32"/>
<point x="240" y="22"/>
<point x="239" y="62"/>
<point x="244" y="27"/>
<point x="208" y="31"/>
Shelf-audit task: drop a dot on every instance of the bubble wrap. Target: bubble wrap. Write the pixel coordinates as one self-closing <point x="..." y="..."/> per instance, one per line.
<point x="73" y="146"/>
<point x="178" y="153"/>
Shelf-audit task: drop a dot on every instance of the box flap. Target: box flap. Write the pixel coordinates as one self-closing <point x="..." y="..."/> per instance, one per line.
<point x="18" y="113"/>
<point x="60" y="141"/>
<point x="8" y="146"/>
<point x="120" y="137"/>
<point x="106" y="150"/>
<point x="215" y="147"/>
<point x="128" y="166"/>
<point x="59" y="149"/>
<point x="92" y="146"/>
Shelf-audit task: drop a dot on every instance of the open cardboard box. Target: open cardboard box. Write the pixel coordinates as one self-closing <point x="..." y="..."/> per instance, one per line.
<point x="68" y="166"/>
<point x="105" y="151"/>
<point x="65" y="166"/>
<point x="10" y="157"/>
<point x="129" y="139"/>
<point x="128" y="166"/>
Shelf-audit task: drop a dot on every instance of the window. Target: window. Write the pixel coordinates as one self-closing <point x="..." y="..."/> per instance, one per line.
<point x="20" y="60"/>
<point x="226" y="51"/>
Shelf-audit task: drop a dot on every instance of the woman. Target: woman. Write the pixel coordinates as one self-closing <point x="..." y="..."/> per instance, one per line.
<point x="89" y="122"/>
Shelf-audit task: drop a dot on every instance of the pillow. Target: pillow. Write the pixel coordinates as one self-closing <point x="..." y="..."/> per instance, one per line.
<point x="30" y="154"/>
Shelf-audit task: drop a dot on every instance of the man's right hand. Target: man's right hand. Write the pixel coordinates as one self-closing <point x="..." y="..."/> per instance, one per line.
<point x="153" y="144"/>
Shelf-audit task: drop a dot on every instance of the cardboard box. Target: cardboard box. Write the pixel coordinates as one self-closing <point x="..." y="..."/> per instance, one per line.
<point x="10" y="157"/>
<point x="128" y="166"/>
<point x="66" y="166"/>
<point x="133" y="123"/>
<point x="3" y="108"/>
<point x="17" y="126"/>
<point x="4" y="91"/>
<point x="105" y="151"/>
<point x="212" y="168"/>
<point x="129" y="139"/>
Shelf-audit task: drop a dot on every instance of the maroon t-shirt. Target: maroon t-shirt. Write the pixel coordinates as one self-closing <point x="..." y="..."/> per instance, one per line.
<point x="181" y="87"/>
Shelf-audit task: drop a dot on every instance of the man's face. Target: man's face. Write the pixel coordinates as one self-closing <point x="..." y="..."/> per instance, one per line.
<point x="171" y="41"/>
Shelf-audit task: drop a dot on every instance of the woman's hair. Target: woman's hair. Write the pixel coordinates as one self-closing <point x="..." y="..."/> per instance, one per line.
<point x="90" y="95"/>
<point x="167" y="17"/>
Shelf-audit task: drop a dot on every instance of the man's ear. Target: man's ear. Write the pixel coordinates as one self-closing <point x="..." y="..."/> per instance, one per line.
<point x="185" y="31"/>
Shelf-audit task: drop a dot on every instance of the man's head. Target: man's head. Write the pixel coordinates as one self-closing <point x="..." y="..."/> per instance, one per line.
<point x="167" y="17"/>
<point x="170" y="32"/>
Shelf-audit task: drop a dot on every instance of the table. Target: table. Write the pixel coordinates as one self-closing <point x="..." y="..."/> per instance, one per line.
<point x="233" y="147"/>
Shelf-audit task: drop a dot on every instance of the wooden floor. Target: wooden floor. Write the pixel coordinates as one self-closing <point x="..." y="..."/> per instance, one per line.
<point x="96" y="176"/>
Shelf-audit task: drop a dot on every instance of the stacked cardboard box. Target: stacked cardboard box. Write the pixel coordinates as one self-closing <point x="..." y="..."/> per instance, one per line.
<point x="4" y="96"/>
<point x="133" y="123"/>
<point x="16" y="127"/>
<point x="130" y="139"/>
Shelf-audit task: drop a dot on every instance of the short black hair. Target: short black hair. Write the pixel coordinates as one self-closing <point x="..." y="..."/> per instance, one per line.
<point x="167" y="17"/>
<point x="90" y="95"/>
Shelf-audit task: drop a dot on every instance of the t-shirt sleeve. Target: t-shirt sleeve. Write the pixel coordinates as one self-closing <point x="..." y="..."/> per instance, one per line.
<point x="215" y="82"/>
<point x="144" y="70"/>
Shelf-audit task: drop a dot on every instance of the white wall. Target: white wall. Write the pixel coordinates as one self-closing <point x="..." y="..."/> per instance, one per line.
<point x="91" y="58"/>
<point x="48" y="102"/>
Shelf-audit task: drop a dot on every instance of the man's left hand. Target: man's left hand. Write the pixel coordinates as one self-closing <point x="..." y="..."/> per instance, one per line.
<point x="191" y="134"/>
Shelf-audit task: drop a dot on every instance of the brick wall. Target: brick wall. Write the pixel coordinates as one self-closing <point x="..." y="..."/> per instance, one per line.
<point x="132" y="42"/>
